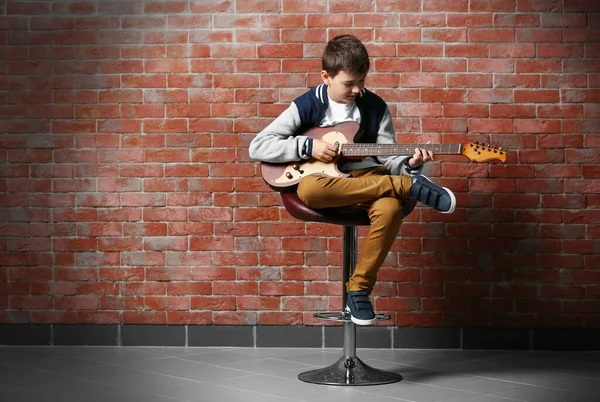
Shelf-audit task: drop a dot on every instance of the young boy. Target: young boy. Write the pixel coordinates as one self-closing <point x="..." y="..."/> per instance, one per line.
<point x="378" y="184"/>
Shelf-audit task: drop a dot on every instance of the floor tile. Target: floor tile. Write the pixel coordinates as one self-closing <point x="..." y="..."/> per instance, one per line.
<point x="253" y="382"/>
<point x="544" y="394"/>
<point x="220" y="357"/>
<point x="186" y="369"/>
<point x="467" y="383"/>
<point x="122" y="377"/>
<point x="583" y="385"/>
<point x="481" y="398"/>
<point x="197" y="391"/>
<point x="269" y="366"/>
<point x="26" y="395"/>
<point x="97" y="392"/>
<point x="419" y="392"/>
<point x="114" y="355"/>
<point x="306" y="392"/>
<point x="365" y="398"/>
<point x="62" y="365"/>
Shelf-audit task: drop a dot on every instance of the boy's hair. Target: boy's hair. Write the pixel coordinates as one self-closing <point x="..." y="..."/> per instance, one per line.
<point x="345" y="53"/>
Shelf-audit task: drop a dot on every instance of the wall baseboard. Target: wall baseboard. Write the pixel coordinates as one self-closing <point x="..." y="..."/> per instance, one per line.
<point x="300" y="336"/>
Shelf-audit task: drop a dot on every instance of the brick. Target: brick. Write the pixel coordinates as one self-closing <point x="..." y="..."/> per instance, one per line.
<point x="422" y="80"/>
<point x="559" y="50"/>
<point x="580" y="95"/>
<point x="189" y="317"/>
<point x="581" y="6"/>
<point x="469" y="80"/>
<point x="544" y="35"/>
<point x="173" y="51"/>
<point x="516" y="81"/>
<point x="213" y="303"/>
<point x="142" y="258"/>
<point x="516" y="20"/>
<point x="166" y="303"/>
<point x="31" y="302"/>
<point x="423" y="20"/>
<point x="537" y="126"/>
<point x="541" y="156"/>
<point x="490" y="65"/>
<point x="581" y="126"/>
<point x="442" y="95"/>
<point x="503" y="50"/>
<point x="144" y="317"/>
<point x="470" y="20"/>
<point x="144" y="81"/>
<point x="560" y="141"/>
<point x="559" y="111"/>
<point x="492" y="5"/>
<point x="167" y="274"/>
<point x="491" y="126"/>
<point x="512" y="111"/>
<point x="536" y="96"/>
<point x="493" y="35"/>
<point x="580" y="34"/>
<point x="449" y="35"/>
<point x="121" y="274"/>
<point x="438" y="65"/>
<point x="562" y="19"/>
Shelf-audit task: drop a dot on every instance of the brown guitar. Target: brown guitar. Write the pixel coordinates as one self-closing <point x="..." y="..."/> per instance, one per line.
<point x="282" y="176"/>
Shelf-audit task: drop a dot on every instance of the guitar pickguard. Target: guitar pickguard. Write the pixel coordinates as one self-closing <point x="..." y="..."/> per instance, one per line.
<point x="297" y="170"/>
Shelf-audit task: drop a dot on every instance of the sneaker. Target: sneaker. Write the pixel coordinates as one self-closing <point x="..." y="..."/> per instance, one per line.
<point x="429" y="193"/>
<point x="360" y="308"/>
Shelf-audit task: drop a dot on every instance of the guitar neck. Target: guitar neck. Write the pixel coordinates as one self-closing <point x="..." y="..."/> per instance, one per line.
<point x="396" y="149"/>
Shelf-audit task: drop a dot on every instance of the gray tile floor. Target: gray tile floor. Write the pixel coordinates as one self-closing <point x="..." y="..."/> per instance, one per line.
<point x="154" y="374"/>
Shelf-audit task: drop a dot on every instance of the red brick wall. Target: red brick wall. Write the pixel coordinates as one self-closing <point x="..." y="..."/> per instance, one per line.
<point x="128" y="194"/>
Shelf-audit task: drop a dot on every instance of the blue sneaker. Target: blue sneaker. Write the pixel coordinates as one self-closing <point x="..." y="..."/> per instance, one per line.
<point x="429" y="193"/>
<point x="360" y="308"/>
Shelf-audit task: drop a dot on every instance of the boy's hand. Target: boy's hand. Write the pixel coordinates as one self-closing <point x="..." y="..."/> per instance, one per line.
<point x="323" y="151"/>
<point x="420" y="157"/>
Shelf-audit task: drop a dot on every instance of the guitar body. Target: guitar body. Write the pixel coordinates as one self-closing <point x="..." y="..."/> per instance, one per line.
<point x="286" y="176"/>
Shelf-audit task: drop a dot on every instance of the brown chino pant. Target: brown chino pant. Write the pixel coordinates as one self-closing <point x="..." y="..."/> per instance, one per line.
<point x="381" y="195"/>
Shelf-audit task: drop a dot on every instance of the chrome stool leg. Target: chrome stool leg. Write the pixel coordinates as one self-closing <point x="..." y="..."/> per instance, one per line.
<point x="349" y="369"/>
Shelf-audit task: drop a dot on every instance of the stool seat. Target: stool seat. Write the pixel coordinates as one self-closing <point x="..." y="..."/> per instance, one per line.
<point x="352" y="215"/>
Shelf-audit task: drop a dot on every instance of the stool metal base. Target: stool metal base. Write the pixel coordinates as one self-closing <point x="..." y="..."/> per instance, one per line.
<point x="349" y="371"/>
<point x="344" y="316"/>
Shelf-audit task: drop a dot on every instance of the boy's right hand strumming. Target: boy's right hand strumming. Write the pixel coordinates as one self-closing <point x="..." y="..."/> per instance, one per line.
<point x="323" y="151"/>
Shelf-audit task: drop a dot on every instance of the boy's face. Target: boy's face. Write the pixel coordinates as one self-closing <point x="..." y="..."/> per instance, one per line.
<point x="344" y="87"/>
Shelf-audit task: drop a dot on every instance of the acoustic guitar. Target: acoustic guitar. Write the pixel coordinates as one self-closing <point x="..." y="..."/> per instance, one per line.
<point x="285" y="176"/>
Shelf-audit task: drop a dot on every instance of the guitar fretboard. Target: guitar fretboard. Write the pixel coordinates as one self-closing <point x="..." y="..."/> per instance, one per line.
<point x="396" y="149"/>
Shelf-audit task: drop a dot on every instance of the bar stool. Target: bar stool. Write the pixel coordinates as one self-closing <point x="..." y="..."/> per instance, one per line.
<point x="349" y="369"/>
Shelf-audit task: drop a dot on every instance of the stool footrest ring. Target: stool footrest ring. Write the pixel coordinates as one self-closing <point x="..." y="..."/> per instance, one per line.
<point x="349" y="371"/>
<point x="344" y="316"/>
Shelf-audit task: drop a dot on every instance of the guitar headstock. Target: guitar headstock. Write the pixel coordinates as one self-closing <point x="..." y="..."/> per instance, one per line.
<point x="480" y="152"/>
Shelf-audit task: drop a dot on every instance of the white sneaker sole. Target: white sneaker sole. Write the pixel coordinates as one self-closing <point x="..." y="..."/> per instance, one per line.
<point x="450" y="193"/>
<point x="359" y="321"/>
